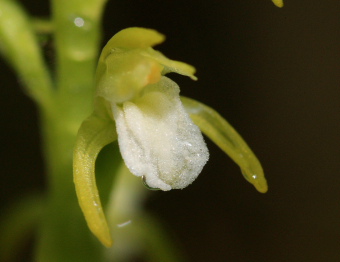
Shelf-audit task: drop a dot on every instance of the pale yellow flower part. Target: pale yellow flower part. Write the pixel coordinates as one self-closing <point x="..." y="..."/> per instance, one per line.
<point x="278" y="3"/>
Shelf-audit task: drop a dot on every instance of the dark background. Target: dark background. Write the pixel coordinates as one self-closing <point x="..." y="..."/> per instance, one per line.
<point x="274" y="74"/>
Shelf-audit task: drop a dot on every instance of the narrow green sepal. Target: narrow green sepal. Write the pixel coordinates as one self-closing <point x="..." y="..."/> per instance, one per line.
<point x="94" y="133"/>
<point x="214" y="126"/>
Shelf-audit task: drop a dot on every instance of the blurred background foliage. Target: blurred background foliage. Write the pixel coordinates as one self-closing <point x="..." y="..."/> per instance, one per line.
<point x="275" y="75"/>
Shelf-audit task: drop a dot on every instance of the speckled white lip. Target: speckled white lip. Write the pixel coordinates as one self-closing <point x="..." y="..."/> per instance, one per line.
<point x="157" y="138"/>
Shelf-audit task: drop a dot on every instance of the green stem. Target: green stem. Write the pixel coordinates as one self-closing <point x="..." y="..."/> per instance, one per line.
<point x="77" y="36"/>
<point x="64" y="235"/>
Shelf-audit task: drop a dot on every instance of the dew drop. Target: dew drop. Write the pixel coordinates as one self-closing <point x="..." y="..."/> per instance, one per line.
<point x="79" y="22"/>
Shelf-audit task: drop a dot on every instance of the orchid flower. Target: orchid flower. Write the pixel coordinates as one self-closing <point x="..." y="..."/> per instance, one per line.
<point x="158" y="132"/>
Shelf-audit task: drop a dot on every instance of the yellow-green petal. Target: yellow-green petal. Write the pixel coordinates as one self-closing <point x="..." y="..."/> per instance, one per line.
<point x="170" y="65"/>
<point x="278" y="3"/>
<point x="93" y="135"/>
<point x="224" y="135"/>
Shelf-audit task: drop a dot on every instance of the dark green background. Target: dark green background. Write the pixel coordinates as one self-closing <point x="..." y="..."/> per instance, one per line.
<point x="275" y="75"/>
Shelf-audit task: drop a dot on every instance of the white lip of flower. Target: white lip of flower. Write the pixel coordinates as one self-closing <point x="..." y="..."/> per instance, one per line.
<point x="157" y="138"/>
<point x="157" y="134"/>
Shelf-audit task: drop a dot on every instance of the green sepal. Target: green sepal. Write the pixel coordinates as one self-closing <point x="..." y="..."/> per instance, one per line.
<point x="95" y="132"/>
<point x="214" y="126"/>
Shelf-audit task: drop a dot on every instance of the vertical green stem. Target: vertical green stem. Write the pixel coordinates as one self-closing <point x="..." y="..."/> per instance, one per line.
<point x="64" y="235"/>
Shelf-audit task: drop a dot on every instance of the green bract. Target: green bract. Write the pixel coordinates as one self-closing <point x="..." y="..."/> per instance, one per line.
<point x="158" y="132"/>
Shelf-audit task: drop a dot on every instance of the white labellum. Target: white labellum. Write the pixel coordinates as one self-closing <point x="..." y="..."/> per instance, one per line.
<point x="157" y="138"/>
